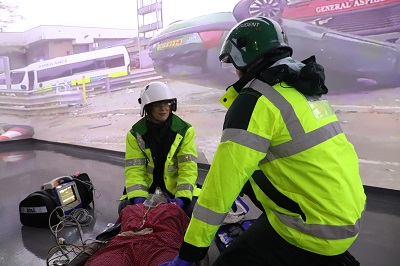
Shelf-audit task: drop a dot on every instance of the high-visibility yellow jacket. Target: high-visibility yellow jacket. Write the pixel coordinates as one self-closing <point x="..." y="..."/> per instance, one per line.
<point x="310" y="185"/>
<point x="180" y="169"/>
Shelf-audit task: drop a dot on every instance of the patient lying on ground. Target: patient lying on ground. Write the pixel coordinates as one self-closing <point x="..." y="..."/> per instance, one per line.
<point x="148" y="236"/>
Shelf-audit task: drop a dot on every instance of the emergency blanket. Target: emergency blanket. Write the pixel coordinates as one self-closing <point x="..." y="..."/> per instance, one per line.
<point x="148" y="237"/>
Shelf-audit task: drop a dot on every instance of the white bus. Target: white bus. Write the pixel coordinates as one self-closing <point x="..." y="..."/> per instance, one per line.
<point x="70" y="70"/>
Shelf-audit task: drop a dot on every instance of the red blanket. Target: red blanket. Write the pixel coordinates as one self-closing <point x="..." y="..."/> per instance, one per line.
<point x="147" y="237"/>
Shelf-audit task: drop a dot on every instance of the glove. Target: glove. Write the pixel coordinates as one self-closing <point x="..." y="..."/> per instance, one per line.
<point x="177" y="262"/>
<point x="177" y="201"/>
<point x="137" y="200"/>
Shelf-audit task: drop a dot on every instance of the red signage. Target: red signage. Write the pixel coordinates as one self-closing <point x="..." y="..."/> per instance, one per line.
<point x="324" y="7"/>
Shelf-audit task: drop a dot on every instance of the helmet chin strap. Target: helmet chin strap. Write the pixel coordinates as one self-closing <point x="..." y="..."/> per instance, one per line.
<point x="151" y="119"/>
<point x="148" y="117"/>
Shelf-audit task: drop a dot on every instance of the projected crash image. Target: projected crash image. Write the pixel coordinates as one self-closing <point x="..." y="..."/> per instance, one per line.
<point x="229" y="126"/>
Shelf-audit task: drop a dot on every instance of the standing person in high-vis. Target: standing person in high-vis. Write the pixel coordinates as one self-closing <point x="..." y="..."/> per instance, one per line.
<point x="160" y="151"/>
<point x="281" y="135"/>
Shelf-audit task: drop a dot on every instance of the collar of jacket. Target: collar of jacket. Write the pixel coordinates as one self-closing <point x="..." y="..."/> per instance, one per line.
<point x="233" y="91"/>
<point x="307" y="76"/>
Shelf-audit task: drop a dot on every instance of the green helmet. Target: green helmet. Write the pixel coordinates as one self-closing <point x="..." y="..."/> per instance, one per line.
<point x="250" y="39"/>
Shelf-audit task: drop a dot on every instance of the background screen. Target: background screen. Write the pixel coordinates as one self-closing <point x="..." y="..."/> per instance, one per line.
<point x="93" y="101"/>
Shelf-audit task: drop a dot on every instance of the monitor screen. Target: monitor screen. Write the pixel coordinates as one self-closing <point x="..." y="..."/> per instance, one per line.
<point x="67" y="195"/>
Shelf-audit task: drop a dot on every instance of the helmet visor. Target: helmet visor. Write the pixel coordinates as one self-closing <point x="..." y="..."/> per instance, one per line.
<point x="160" y="104"/>
<point x="230" y="54"/>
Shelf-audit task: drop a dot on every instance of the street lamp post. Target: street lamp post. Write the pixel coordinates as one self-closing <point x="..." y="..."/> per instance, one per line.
<point x="138" y="32"/>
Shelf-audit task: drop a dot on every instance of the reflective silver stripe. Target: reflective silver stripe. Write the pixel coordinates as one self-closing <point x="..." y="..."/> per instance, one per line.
<point x="135" y="162"/>
<point x="329" y="232"/>
<point x="137" y="187"/>
<point x="245" y="138"/>
<point x="310" y="140"/>
<point x="301" y="140"/>
<point x="141" y="142"/>
<point x="207" y="215"/>
<point x="187" y="158"/>
<point x="32" y="210"/>
<point x="184" y="187"/>
<point x="181" y="159"/>
<point x="149" y="169"/>
<point x="172" y="167"/>
<point x="142" y="146"/>
<point x="289" y="116"/>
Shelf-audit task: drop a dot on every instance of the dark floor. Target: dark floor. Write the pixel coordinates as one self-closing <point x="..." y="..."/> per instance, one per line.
<point x="26" y="165"/>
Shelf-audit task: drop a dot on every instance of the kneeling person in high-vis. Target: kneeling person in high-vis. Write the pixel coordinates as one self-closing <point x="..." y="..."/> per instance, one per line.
<point x="160" y="151"/>
<point x="281" y="135"/>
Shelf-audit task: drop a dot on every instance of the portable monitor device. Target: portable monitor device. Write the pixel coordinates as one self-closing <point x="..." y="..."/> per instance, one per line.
<point x="66" y="192"/>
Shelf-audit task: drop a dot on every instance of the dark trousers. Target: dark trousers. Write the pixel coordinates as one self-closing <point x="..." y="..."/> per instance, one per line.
<point x="261" y="245"/>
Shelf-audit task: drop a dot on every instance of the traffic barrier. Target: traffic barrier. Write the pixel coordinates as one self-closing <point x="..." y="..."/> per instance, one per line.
<point x="60" y="98"/>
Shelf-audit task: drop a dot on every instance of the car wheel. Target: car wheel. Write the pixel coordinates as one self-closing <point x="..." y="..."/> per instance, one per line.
<point x="251" y="8"/>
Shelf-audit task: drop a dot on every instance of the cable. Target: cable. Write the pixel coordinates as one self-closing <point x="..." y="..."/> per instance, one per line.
<point x="65" y="249"/>
<point x="89" y="186"/>
<point x="61" y="252"/>
<point x="87" y="183"/>
<point x="78" y="217"/>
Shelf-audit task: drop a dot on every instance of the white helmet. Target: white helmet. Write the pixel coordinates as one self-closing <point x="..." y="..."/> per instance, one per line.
<point x="154" y="92"/>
